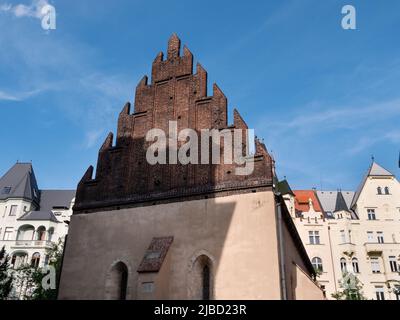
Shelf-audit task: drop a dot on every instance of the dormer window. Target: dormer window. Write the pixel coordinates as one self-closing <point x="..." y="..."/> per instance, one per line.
<point x="6" y="190"/>
<point x="387" y="190"/>
<point x="379" y="190"/>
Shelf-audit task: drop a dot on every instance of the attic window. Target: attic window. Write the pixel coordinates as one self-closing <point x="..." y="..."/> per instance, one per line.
<point x="6" y="190"/>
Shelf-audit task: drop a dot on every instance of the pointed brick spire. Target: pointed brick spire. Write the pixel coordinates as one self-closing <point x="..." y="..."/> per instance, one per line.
<point x="174" y="45"/>
<point x="108" y="142"/>
<point x="88" y="175"/>
<point x="202" y="75"/>
<point x="143" y="82"/>
<point x="238" y="120"/>
<point x="126" y="109"/>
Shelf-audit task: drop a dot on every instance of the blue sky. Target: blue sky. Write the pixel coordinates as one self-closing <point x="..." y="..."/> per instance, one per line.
<point x="323" y="98"/>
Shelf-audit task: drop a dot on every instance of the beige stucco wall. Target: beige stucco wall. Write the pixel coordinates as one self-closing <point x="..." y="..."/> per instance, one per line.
<point x="305" y="288"/>
<point x="298" y="282"/>
<point x="238" y="233"/>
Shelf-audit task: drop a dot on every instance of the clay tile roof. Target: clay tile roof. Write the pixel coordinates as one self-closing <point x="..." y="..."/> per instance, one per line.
<point x="301" y="200"/>
<point x="155" y="254"/>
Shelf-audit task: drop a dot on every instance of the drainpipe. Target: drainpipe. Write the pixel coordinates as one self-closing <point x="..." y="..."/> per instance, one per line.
<point x="281" y="258"/>
<point x="333" y="264"/>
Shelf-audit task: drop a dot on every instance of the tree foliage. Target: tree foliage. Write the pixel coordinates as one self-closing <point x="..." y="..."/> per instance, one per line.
<point x="6" y="277"/>
<point x="351" y="288"/>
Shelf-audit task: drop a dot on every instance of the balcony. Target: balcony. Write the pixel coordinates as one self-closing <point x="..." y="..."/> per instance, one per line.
<point x="377" y="248"/>
<point x="31" y="244"/>
<point x="347" y="248"/>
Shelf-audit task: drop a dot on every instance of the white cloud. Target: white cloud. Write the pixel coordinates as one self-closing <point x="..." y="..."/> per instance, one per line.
<point x="19" y="96"/>
<point x="92" y="137"/>
<point x="8" y="97"/>
<point x="34" y="10"/>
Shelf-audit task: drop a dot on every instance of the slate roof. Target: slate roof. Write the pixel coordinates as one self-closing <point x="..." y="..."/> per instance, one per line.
<point x="52" y="199"/>
<point x="329" y="199"/>
<point x="39" y="216"/>
<point x="374" y="170"/>
<point x="340" y="204"/>
<point x="284" y="188"/>
<point x="19" y="182"/>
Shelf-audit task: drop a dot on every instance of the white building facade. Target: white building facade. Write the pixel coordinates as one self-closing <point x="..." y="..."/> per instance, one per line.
<point x="31" y="220"/>
<point x="355" y="233"/>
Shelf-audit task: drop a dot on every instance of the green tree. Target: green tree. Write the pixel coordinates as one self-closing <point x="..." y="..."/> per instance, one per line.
<point x="6" y="278"/>
<point x="55" y="254"/>
<point x="30" y="280"/>
<point x="351" y="288"/>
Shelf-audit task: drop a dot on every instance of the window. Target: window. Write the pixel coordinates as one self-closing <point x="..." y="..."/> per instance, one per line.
<point x="117" y="282"/>
<point x="206" y="282"/>
<point x="393" y="264"/>
<point x="6" y="190"/>
<point x="317" y="264"/>
<point x="375" y="265"/>
<point x="13" y="210"/>
<point x="379" y="189"/>
<point x="35" y="260"/>
<point x="349" y="236"/>
<point x="380" y="293"/>
<point x="342" y="236"/>
<point x="379" y="235"/>
<point x="354" y="263"/>
<point x="19" y="259"/>
<point x="8" y="233"/>
<point x="397" y="292"/>
<point x="343" y="265"/>
<point x="314" y="237"/>
<point x="371" y="214"/>
<point x="387" y="190"/>
<point x="370" y="236"/>
<point x="41" y="233"/>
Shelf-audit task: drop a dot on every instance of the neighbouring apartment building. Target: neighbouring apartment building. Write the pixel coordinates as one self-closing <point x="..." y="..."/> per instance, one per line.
<point x="181" y="231"/>
<point x="348" y="232"/>
<point x="31" y="219"/>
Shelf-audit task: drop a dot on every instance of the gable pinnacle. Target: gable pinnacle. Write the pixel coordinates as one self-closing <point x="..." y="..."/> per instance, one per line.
<point x="174" y="45"/>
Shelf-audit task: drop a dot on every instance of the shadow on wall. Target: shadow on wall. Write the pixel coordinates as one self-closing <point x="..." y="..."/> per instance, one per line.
<point x="121" y="211"/>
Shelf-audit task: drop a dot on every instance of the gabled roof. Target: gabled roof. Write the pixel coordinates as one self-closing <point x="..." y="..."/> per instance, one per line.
<point x="375" y="170"/>
<point x="284" y="188"/>
<point x="39" y="215"/>
<point x="19" y="182"/>
<point x="333" y="201"/>
<point x="52" y="199"/>
<point x="340" y="204"/>
<point x="302" y="201"/>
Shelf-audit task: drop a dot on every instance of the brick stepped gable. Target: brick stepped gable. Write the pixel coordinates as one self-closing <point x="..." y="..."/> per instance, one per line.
<point x="123" y="176"/>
